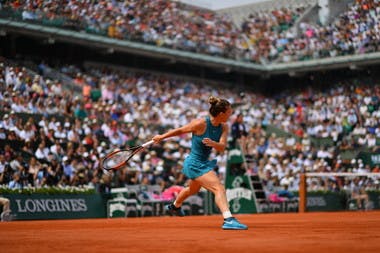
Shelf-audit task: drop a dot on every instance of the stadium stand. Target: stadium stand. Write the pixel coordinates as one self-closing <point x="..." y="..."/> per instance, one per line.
<point x="267" y="32"/>
<point x="285" y="135"/>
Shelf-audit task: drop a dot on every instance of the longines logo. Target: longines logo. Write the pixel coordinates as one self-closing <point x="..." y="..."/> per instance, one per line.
<point x="51" y="205"/>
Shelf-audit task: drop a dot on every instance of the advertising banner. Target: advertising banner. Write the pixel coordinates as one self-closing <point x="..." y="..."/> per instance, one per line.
<point x="56" y="206"/>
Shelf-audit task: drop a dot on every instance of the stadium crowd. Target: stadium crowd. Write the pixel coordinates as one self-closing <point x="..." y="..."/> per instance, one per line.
<point x="263" y="37"/>
<point x="355" y="31"/>
<point x="269" y="33"/>
<point x="163" y="23"/>
<point x="63" y="136"/>
<point x="65" y="144"/>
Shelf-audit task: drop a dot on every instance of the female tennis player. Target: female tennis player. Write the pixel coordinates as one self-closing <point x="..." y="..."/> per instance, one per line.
<point x="207" y="133"/>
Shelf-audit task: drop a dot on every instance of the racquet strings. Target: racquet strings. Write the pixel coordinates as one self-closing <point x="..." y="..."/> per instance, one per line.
<point x="117" y="159"/>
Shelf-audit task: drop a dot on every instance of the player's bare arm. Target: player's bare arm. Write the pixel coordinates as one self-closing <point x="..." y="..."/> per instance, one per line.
<point x="195" y="126"/>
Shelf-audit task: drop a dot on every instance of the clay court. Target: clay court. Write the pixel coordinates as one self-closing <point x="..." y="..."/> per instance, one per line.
<point x="309" y="232"/>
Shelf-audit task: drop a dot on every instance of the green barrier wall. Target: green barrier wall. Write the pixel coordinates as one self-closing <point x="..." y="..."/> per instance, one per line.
<point x="56" y="206"/>
<point x="331" y="201"/>
<point x="374" y="197"/>
<point x="336" y="201"/>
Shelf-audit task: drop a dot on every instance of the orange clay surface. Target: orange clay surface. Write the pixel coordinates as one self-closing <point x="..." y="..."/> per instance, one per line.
<point x="309" y="232"/>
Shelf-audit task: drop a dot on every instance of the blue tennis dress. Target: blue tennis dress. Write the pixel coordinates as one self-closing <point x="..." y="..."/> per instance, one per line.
<point x="197" y="163"/>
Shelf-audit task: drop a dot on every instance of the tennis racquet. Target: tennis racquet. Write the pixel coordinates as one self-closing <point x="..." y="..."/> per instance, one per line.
<point x="119" y="158"/>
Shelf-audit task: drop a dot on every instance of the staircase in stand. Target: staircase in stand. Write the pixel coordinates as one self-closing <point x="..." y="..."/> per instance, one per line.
<point x="258" y="192"/>
<point x="256" y="185"/>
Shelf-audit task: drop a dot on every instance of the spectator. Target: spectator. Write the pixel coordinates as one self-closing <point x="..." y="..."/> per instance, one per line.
<point x="34" y="167"/>
<point x="15" y="182"/>
<point x="17" y="164"/>
<point x="42" y="152"/>
<point x="359" y="194"/>
<point x="3" y="134"/>
<point x="3" y="163"/>
<point x="239" y="132"/>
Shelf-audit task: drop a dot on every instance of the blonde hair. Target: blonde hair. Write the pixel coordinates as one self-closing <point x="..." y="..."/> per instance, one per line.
<point x="218" y="105"/>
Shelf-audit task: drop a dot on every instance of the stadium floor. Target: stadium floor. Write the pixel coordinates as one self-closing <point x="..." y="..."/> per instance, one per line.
<point x="310" y="232"/>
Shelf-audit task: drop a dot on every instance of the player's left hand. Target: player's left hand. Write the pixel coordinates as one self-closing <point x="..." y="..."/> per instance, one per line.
<point x="208" y="142"/>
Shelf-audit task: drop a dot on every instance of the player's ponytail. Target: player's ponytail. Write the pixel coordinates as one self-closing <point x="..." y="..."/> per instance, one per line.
<point x="218" y="105"/>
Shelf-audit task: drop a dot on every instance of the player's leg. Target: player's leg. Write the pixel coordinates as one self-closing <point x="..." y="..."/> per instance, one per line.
<point x="5" y="214"/>
<point x="186" y="192"/>
<point x="5" y="203"/>
<point x="211" y="182"/>
<point x="175" y="207"/>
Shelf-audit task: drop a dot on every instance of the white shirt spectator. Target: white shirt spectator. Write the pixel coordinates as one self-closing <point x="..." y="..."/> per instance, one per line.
<point x="28" y="15"/>
<point x="42" y="152"/>
<point x="52" y="125"/>
<point x="27" y="134"/>
<point x="56" y="88"/>
<point x="42" y="123"/>
<point x="106" y="130"/>
<point x="86" y="129"/>
<point x="3" y="163"/>
<point x="351" y="118"/>
<point x="57" y="150"/>
<point x="60" y="133"/>
<point x="9" y="76"/>
<point x="16" y="164"/>
<point x="7" y="122"/>
<point x="362" y="140"/>
<point x="128" y="117"/>
<point x="17" y="107"/>
<point x="73" y="136"/>
<point x="324" y="154"/>
<point x="371" y="140"/>
<point x="290" y="141"/>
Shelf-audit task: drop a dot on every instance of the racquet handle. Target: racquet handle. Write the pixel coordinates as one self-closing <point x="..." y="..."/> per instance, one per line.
<point x="147" y="144"/>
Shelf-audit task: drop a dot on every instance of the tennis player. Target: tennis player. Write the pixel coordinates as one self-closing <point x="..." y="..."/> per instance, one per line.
<point x="207" y="133"/>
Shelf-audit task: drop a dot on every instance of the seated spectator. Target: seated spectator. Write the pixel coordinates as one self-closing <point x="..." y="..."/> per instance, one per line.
<point x="42" y="151"/>
<point x="3" y="134"/>
<point x="15" y="182"/>
<point x="359" y="194"/>
<point x="34" y="167"/>
<point x="28" y="148"/>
